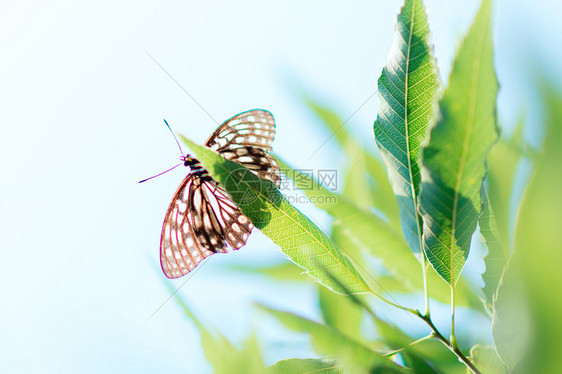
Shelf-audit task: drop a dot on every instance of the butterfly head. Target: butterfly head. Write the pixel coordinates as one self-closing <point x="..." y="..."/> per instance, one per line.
<point x="189" y="161"/>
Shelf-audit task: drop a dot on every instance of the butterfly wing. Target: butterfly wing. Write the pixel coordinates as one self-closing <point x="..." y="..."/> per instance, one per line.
<point x="254" y="128"/>
<point x="202" y="218"/>
<point x="247" y="138"/>
<point x="200" y="221"/>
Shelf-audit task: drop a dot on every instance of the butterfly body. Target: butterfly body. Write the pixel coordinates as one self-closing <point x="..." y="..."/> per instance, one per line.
<point x="195" y="167"/>
<point x="202" y="219"/>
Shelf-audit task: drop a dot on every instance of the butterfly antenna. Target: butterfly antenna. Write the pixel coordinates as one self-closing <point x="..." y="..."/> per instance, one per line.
<point x="177" y="142"/>
<point x="144" y="180"/>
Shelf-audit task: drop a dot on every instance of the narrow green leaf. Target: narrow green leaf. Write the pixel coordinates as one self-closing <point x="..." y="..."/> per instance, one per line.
<point x="420" y="356"/>
<point x="503" y="159"/>
<point x="394" y="338"/>
<point x="495" y="259"/>
<point x="361" y="164"/>
<point x="383" y="195"/>
<point x="453" y="161"/>
<point x="494" y="220"/>
<point x="249" y="360"/>
<point x="329" y="119"/>
<point x="369" y="231"/>
<point x="340" y="312"/>
<point x="418" y="364"/>
<point x="355" y="182"/>
<point x="356" y="230"/>
<point x="296" y="235"/>
<point x="305" y="366"/>
<point x="221" y="353"/>
<point x="286" y="271"/>
<point x="408" y="93"/>
<point x="510" y="321"/>
<point x="486" y="360"/>
<point x="329" y="341"/>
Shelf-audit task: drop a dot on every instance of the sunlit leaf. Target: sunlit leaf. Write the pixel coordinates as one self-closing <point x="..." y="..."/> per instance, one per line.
<point x="486" y="360"/>
<point x="408" y="93"/>
<point x="362" y="164"/>
<point x="296" y="235"/>
<point x="422" y="356"/>
<point x="453" y="160"/>
<point x="330" y="342"/>
<point x="249" y="359"/>
<point x="503" y="159"/>
<point x="221" y="353"/>
<point x="369" y="230"/>
<point x="417" y="363"/>
<point x="355" y="230"/>
<point x="286" y="271"/>
<point x="355" y="182"/>
<point x="339" y="312"/>
<point x="510" y="322"/>
<point x="383" y="196"/>
<point x="329" y="119"/>
<point x="494" y="220"/>
<point x="495" y="259"/>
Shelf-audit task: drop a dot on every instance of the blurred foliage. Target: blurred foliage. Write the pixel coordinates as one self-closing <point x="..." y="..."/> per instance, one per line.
<point x="538" y="245"/>
<point x="370" y="254"/>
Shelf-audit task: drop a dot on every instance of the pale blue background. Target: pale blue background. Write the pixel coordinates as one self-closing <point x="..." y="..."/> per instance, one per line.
<point x="81" y="108"/>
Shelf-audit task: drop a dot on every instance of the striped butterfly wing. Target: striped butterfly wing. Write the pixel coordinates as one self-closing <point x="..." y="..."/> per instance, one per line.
<point x="247" y="138"/>
<point x="201" y="220"/>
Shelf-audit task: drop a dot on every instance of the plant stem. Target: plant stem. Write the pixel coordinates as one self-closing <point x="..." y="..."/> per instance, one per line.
<point x="430" y="336"/>
<point x="425" y="288"/>
<point x="453" y="348"/>
<point x="394" y="304"/>
<point x="453" y="337"/>
<point x="451" y="345"/>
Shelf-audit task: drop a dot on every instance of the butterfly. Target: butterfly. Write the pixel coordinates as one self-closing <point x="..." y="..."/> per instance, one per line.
<point x="202" y="219"/>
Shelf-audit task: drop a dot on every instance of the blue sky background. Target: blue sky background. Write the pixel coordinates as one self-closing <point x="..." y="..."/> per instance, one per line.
<point x="81" y="113"/>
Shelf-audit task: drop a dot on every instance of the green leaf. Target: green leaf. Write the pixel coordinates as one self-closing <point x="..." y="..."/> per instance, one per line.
<point x="355" y="182"/>
<point x="369" y="231"/>
<point x="221" y="353"/>
<point x="538" y="243"/>
<point x="417" y="364"/>
<point x="420" y="356"/>
<point x="383" y="196"/>
<point x="361" y="164"/>
<point x="510" y="321"/>
<point x="394" y="338"/>
<point x="356" y="230"/>
<point x="249" y="359"/>
<point x="486" y="360"/>
<point x="408" y="93"/>
<point x="304" y="366"/>
<point x="296" y="235"/>
<point x="329" y="119"/>
<point x="453" y="161"/>
<point x="340" y="312"/>
<point x="503" y="159"/>
<point x="286" y="271"/>
<point x="329" y="341"/>
<point x="495" y="259"/>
